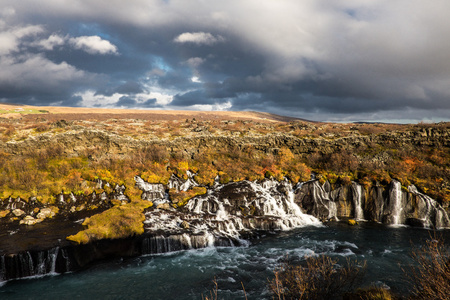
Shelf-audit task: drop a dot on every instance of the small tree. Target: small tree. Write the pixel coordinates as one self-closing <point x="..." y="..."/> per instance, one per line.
<point x="431" y="275"/>
<point x="320" y="278"/>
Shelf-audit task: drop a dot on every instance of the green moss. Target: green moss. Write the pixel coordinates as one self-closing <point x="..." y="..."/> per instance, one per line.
<point x="115" y="223"/>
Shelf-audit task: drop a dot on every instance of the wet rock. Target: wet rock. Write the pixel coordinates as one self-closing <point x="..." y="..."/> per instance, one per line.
<point x="414" y="222"/>
<point x="375" y="203"/>
<point x="313" y="199"/>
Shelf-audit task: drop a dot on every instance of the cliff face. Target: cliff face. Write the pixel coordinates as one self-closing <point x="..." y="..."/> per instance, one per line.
<point x="388" y="205"/>
<point x="79" y="139"/>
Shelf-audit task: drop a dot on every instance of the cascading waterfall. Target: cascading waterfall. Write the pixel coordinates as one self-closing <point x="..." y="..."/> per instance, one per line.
<point x="396" y="206"/>
<point x="357" y="201"/>
<point x="332" y="207"/>
<point x="218" y="218"/>
<point x="29" y="263"/>
<point x="430" y="212"/>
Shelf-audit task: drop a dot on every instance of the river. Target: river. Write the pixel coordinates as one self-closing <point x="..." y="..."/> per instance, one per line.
<point x="190" y="274"/>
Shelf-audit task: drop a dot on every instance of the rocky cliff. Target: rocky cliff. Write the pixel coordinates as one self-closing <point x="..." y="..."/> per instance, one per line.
<point x="79" y="139"/>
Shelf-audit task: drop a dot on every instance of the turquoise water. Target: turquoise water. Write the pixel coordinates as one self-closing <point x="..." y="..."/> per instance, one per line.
<point x="190" y="274"/>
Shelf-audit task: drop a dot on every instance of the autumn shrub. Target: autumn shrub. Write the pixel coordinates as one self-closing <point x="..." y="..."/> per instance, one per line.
<point x="9" y="130"/>
<point x="430" y="275"/>
<point x="150" y="154"/>
<point x="320" y="277"/>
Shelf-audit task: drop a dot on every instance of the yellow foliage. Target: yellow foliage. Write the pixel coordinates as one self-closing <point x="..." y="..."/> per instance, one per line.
<point x="285" y="156"/>
<point x="115" y="223"/>
<point x="352" y="222"/>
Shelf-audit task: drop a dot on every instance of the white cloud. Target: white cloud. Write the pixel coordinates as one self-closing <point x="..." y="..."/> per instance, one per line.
<point x="10" y="38"/>
<point x="199" y="38"/>
<point x="93" y="45"/>
<point x="35" y="72"/>
<point x="211" y="107"/>
<point x="91" y="99"/>
<point x="196" y="79"/>
<point x="51" y="42"/>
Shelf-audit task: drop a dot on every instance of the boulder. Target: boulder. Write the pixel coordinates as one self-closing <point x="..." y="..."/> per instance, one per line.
<point x="29" y="220"/>
<point x="164" y="206"/>
<point x="414" y="222"/>
<point x="47" y="212"/>
<point x="18" y="212"/>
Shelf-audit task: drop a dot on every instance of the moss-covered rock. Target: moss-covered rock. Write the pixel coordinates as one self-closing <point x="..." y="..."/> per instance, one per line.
<point x="352" y="222"/>
<point x="115" y="223"/>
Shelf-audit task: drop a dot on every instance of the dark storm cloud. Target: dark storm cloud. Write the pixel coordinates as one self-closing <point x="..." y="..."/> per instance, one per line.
<point x="192" y="98"/>
<point x="339" y="60"/>
<point x="150" y="103"/>
<point x="73" y="101"/>
<point x="126" y="102"/>
<point x="131" y="102"/>
<point x="130" y="87"/>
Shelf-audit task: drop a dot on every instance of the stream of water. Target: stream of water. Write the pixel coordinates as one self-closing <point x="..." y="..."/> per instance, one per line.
<point x="190" y="274"/>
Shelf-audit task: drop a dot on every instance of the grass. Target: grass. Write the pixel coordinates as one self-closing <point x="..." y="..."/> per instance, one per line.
<point x="23" y="111"/>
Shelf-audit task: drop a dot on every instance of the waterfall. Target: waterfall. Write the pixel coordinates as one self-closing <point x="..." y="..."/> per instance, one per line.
<point x="396" y="206"/>
<point x="225" y="215"/>
<point x="304" y="219"/>
<point x="430" y="212"/>
<point x="332" y="207"/>
<point x="52" y="255"/>
<point x="177" y="242"/>
<point x="357" y="201"/>
<point x="32" y="263"/>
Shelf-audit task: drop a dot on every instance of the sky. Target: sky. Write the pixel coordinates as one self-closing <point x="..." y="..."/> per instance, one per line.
<point x="340" y="60"/>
